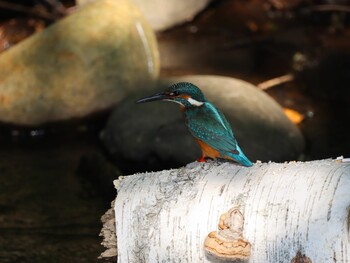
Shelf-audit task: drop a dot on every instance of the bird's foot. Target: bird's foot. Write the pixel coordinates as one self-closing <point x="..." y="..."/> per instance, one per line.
<point x="201" y="160"/>
<point x="204" y="159"/>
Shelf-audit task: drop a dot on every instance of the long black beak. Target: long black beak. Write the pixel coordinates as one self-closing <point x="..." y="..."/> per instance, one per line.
<point x="155" y="97"/>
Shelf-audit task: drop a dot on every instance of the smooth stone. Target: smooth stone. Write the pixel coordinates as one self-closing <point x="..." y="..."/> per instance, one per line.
<point x="153" y="135"/>
<point x="82" y="64"/>
<point x="163" y="15"/>
<point x="150" y="136"/>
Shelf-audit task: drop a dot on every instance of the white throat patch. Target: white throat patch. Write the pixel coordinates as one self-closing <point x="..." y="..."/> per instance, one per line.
<point x="194" y="102"/>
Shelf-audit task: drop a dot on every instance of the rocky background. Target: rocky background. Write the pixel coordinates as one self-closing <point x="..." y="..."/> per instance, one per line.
<point x="70" y="72"/>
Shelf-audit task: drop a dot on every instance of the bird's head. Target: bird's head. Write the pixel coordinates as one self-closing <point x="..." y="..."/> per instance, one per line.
<point x="184" y="93"/>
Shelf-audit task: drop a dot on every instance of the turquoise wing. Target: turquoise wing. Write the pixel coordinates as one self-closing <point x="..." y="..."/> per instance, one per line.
<point x="210" y="126"/>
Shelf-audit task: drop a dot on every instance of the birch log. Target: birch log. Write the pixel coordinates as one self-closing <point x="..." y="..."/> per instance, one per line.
<point x="286" y="212"/>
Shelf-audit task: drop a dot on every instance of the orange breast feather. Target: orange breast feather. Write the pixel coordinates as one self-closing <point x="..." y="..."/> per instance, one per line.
<point x="208" y="151"/>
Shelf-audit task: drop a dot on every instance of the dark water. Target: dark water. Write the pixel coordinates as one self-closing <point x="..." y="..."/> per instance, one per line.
<point x="48" y="212"/>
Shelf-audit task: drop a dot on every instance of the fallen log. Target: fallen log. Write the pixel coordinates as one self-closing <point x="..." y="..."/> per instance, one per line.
<point x="214" y="212"/>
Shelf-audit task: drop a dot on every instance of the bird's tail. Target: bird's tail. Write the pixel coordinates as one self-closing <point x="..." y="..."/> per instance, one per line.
<point x="241" y="158"/>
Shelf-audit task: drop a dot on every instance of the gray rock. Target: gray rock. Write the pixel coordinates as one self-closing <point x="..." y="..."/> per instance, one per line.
<point x="148" y="136"/>
<point x="84" y="63"/>
<point x="154" y="134"/>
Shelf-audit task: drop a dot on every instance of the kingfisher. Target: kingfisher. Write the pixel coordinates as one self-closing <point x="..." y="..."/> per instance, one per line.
<point x="204" y="121"/>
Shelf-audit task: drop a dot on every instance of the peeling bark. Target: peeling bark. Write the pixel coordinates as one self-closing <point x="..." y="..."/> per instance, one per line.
<point x="109" y="237"/>
<point x="289" y="209"/>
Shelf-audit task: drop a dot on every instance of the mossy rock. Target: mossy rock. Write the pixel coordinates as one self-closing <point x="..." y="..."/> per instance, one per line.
<point x="82" y="64"/>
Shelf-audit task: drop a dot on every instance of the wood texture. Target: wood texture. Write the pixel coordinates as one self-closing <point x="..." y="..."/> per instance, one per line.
<point x="289" y="209"/>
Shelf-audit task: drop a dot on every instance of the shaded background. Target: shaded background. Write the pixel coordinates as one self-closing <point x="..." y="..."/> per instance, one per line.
<point x="55" y="178"/>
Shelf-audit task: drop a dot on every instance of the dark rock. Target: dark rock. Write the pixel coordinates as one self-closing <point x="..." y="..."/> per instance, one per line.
<point x="148" y="136"/>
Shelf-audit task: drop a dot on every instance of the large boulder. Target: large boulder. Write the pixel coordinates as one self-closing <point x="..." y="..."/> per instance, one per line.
<point x="148" y="137"/>
<point x="163" y="15"/>
<point x="84" y="63"/>
<point x="153" y="135"/>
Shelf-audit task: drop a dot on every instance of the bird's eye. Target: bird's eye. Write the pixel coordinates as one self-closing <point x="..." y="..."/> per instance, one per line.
<point x="174" y="93"/>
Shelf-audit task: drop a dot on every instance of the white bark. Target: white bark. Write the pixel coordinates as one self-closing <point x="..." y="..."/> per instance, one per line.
<point x="287" y="208"/>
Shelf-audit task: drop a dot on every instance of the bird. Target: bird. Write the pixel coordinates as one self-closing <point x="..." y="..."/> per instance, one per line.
<point x="205" y="122"/>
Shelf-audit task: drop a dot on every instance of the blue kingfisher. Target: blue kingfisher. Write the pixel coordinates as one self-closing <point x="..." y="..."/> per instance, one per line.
<point x="204" y="121"/>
